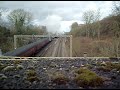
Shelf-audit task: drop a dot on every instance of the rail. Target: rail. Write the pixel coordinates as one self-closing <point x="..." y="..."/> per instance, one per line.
<point x="50" y="58"/>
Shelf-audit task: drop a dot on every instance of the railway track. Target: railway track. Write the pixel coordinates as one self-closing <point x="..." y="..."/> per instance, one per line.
<point x="56" y="48"/>
<point x="68" y="48"/>
<point x="43" y="51"/>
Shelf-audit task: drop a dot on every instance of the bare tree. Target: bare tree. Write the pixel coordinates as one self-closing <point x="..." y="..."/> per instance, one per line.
<point x="20" y="19"/>
<point x="91" y="19"/>
<point x="88" y="18"/>
<point x="116" y="8"/>
<point x="97" y="16"/>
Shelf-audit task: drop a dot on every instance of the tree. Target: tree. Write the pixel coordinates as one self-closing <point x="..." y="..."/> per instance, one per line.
<point x="88" y="18"/>
<point x="116" y="8"/>
<point x="91" y="19"/>
<point x="97" y="16"/>
<point x="74" y="25"/>
<point x="20" y="19"/>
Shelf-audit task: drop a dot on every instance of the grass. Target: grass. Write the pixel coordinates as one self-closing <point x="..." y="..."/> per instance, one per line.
<point x="17" y="62"/>
<point x="32" y="76"/>
<point x="19" y="67"/>
<point x="93" y="47"/>
<point x="59" y="78"/>
<point x="9" y="68"/>
<point x="89" y="66"/>
<point x="31" y="73"/>
<point x="2" y="66"/>
<point x="86" y="78"/>
<point x="113" y="66"/>
<point x="105" y="69"/>
<point x="109" y="66"/>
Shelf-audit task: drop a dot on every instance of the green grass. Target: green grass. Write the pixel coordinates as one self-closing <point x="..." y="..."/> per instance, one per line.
<point x="17" y="61"/>
<point x="87" y="78"/>
<point x="9" y="68"/>
<point x="109" y="66"/>
<point x="30" y="73"/>
<point x="2" y="66"/>
<point x="59" y="78"/>
<point x="32" y="76"/>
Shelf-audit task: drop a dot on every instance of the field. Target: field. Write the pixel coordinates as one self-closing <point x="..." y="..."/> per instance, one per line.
<point x="105" y="47"/>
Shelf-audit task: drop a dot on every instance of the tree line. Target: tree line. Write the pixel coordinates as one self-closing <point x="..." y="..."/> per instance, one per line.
<point x="19" y="22"/>
<point x="101" y="29"/>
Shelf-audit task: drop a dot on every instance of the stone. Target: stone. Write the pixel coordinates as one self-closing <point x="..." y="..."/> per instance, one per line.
<point x="44" y="68"/>
<point x="8" y="68"/>
<point x="30" y="67"/>
<point x="34" y="82"/>
<point x="106" y="79"/>
<point x="20" y="67"/>
<point x="16" y="76"/>
<point x="2" y="77"/>
<point x="61" y="69"/>
<point x="72" y="66"/>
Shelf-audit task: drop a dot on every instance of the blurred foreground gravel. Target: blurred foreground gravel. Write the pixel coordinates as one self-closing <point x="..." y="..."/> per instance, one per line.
<point x="13" y="73"/>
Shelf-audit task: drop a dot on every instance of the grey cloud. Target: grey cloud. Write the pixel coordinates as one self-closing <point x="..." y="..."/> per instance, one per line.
<point x="67" y="10"/>
<point x="41" y="9"/>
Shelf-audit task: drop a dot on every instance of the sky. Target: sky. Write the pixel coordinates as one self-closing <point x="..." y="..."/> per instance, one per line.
<point x="57" y="16"/>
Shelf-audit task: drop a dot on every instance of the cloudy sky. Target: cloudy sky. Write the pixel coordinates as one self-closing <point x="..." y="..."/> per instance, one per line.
<point x="58" y="15"/>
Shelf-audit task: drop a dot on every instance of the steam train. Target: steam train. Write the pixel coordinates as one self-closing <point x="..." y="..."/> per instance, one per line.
<point x="30" y="49"/>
